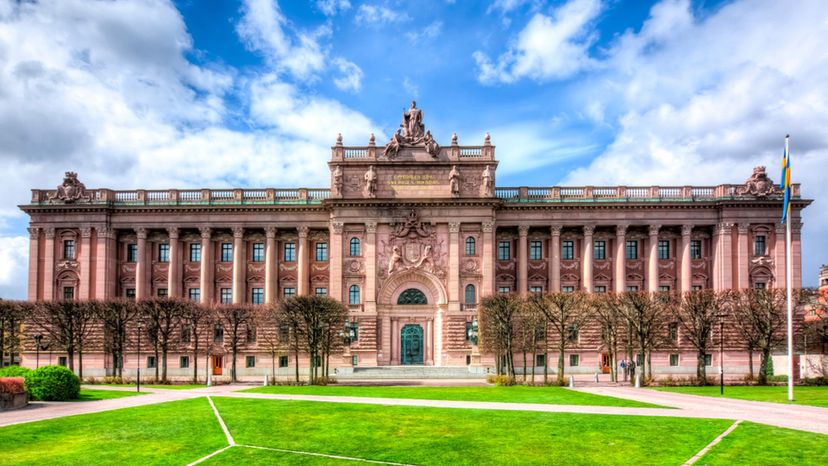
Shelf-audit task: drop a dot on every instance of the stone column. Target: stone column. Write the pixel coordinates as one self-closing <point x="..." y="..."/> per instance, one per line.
<point x="743" y="256"/>
<point x="523" y="259"/>
<point x="779" y="256"/>
<point x="239" y="267"/>
<point x="105" y="260"/>
<point x="174" y="269"/>
<point x="335" y="261"/>
<point x="620" y="271"/>
<point x="796" y="251"/>
<point x="586" y="266"/>
<point x="723" y="259"/>
<point x="454" y="291"/>
<point x="488" y="259"/>
<point x="429" y="337"/>
<point x="49" y="265"/>
<point x="85" y="258"/>
<point x="555" y="259"/>
<point x="395" y="345"/>
<point x="652" y="259"/>
<point x="34" y="263"/>
<point x="206" y="277"/>
<point x="303" y="268"/>
<point x="369" y="298"/>
<point x="686" y="272"/>
<point x="271" y="269"/>
<point x="141" y="291"/>
<point x="385" y="342"/>
<point x="437" y="336"/>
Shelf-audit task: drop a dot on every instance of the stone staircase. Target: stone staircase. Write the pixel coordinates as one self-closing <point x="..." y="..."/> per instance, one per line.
<point x="413" y="372"/>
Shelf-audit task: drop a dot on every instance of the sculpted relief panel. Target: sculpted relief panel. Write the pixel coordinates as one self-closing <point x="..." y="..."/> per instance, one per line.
<point x="412" y="245"/>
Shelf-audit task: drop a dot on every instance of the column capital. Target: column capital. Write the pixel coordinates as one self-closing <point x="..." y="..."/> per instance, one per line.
<point x="337" y="227"/>
<point x="238" y="232"/>
<point x="141" y="232"/>
<point x="86" y="232"/>
<point x="173" y="232"/>
<point x="206" y="232"/>
<point x="488" y="227"/>
<point x="780" y="228"/>
<point x="724" y="228"/>
<point x="454" y="227"/>
<point x="621" y="229"/>
<point x="523" y="230"/>
<point x="303" y="230"/>
<point x="686" y="230"/>
<point x="34" y="232"/>
<point x="555" y="230"/>
<point x="49" y="232"/>
<point x="589" y="230"/>
<point x="104" y="231"/>
<point x="270" y="232"/>
<point x="744" y="228"/>
<point x="654" y="229"/>
<point x="371" y="227"/>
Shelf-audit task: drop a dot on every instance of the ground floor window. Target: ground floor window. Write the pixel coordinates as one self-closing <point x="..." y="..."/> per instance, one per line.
<point x="540" y="360"/>
<point x="250" y="361"/>
<point x="62" y="361"/>
<point x="184" y="362"/>
<point x="150" y="362"/>
<point x="674" y="360"/>
<point x="283" y="361"/>
<point x="708" y="359"/>
<point x="503" y="289"/>
<point x="354" y="360"/>
<point x="574" y="360"/>
<point x="568" y="289"/>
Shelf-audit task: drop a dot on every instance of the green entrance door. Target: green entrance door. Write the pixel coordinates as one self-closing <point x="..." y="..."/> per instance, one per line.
<point x="411" y="343"/>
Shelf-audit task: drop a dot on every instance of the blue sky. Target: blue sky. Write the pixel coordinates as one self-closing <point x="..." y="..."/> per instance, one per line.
<point x="159" y="94"/>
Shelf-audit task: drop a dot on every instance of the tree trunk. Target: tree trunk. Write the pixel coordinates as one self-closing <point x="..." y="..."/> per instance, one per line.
<point x="156" y="363"/>
<point x="763" y="366"/>
<point x="80" y="364"/>
<point x="561" y="350"/>
<point x="701" y="370"/>
<point x="70" y="355"/>
<point x="233" y="371"/>
<point x="750" y="363"/>
<point x="649" y="365"/>
<point x="164" y="365"/>
<point x="524" y="366"/>
<point x="273" y="365"/>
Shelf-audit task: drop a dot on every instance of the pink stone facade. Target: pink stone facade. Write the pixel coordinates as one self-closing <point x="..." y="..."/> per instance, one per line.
<point x="428" y="221"/>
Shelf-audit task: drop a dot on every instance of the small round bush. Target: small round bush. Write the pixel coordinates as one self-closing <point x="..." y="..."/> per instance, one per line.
<point x="15" y="371"/>
<point x="53" y="383"/>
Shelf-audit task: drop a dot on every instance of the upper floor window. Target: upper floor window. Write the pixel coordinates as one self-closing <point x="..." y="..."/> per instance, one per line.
<point x="250" y="334"/>
<point x="195" y="252"/>
<point x="354" y="248"/>
<point x="568" y="250"/>
<point x="664" y="288"/>
<point x="129" y="293"/>
<point x="132" y="253"/>
<point x="632" y="249"/>
<point x="218" y="333"/>
<point x="68" y="293"/>
<point x="186" y="333"/>
<point x="289" y="292"/>
<point x="471" y="246"/>
<point x="321" y="252"/>
<point x="69" y="249"/>
<point x="759" y="245"/>
<point x="536" y="289"/>
<point x="600" y="289"/>
<point x="759" y="285"/>
<point x="290" y="252"/>
<point x="163" y="252"/>
<point x="573" y="333"/>
<point x="194" y="294"/>
<point x="257" y="296"/>
<point x="504" y="252"/>
<point x="353" y="294"/>
<point x="695" y="249"/>
<point x="568" y="289"/>
<point x="663" y="249"/>
<point x="226" y="296"/>
<point x="227" y="252"/>
<point x="321" y="292"/>
<point x="672" y="331"/>
<point x="162" y="293"/>
<point x="258" y="252"/>
<point x="535" y="250"/>
<point x="503" y="289"/>
<point x="632" y="288"/>
<point x="471" y="294"/>
<point x="600" y="248"/>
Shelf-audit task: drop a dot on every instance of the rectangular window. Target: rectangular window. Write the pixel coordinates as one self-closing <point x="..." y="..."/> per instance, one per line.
<point x="62" y="361"/>
<point x="283" y="361"/>
<point x="759" y="285"/>
<point x="639" y="359"/>
<point x="218" y="333"/>
<point x="150" y="362"/>
<point x="184" y="362"/>
<point x="289" y="292"/>
<point x="469" y="331"/>
<point x="695" y="249"/>
<point x="68" y="293"/>
<point x="321" y="252"/>
<point x="574" y="359"/>
<point x="290" y="252"/>
<point x="132" y="253"/>
<point x="250" y="335"/>
<point x="258" y="252"/>
<point x="663" y="249"/>
<point x="600" y="289"/>
<point x="354" y="359"/>
<point x="163" y="252"/>
<point x="600" y="248"/>
<point x="568" y="250"/>
<point x="226" y="296"/>
<point x="708" y="359"/>
<point x="573" y="333"/>
<point x="227" y="252"/>
<point x="536" y="289"/>
<point x="69" y="249"/>
<point x="632" y="288"/>
<point x="674" y="360"/>
<point x="186" y="334"/>
<point x="503" y="251"/>
<point x="321" y="292"/>
<point x="568" y="289"/>
<point x="129" y="293"/>
<point x="672" y="331"/>
<point x="540" y="360"/>
<point x="664" y="288"/>
<point x="632" y="249"/>
<point x="194" y="294"/>
<point x="535" y="251"/>
<point x="250" y="361"/>
<point x="195" y="252"/>
<point x="257" y="296"/>
<point x="161" y="293"/>
<point x="697" y="287"/>
<point x="284" y="333"/>
<point x="503" y="289"/>
<point x="759" y="242"/>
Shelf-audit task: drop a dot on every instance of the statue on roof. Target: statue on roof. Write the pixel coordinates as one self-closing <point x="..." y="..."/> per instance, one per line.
<point x="71" y="190"/>
<point x="412" y="124"/>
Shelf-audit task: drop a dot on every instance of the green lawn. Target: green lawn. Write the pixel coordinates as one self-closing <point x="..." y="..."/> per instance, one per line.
<point x="95" y="395"/>
<point x="463" y="436"/>
<point x="758" y="444"/>
<point x="814" y="396"/>
<point x="252" y="456"/>
<point x="168" y="433"/>
<point x="167" y="387"/>
<point x="515" y="394"/>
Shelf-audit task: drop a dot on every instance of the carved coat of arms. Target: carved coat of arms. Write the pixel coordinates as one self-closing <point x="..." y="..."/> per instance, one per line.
<point x="412" y="245"/>
<point x="71" y="190"/>
<point x="759" y="184"/>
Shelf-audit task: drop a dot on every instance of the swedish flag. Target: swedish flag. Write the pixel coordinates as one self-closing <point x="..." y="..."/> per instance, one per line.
<point x="785" y="182"/>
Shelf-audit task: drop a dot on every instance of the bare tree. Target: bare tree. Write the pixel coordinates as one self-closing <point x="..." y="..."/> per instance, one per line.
<point x="291" y="315"/>
<point x="498" y="318"/>
<point x="12" y="314"/>
<point x="270" y="333"/>
<point x="646" y="314"/>
<point x="765" y="311"/>
<point x="116" y="316"/>
<point x="606" y="308"/>
<point x="237" y="320"/>
<point x="163" y="316"/>
<point x="698" y="314"/>
<point x="565" y="312"/>
<point x="196" y="320"/>
<point x="59" y="320"/>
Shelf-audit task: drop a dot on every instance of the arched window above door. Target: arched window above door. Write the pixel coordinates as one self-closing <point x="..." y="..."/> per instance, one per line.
<point x="412" y="296"/>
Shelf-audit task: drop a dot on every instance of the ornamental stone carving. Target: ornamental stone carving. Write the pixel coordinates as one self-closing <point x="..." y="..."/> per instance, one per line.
<point x="555" y="230"/>
<point x="141" y="233"/>
<point x="371" y="227"/>
<point x="621" y="229"/>
<point x="370" y="178"/>
<point x="487" y="189"/>
<point x="488" y="227"/>
<point x="206" y="232"/>
<point x="759" y="184"/>
<point x="238" y="232"/>
<point x="454" y="227"/>
<point x="337" y="181"/>
<point x="338" y="227"/>
<point x="589" y="230"/>
<point x="303" y="231"/>
<point x="71" y="190"/>
<point x="412" y="245"/>
<point x="454" y="181"/>
<point x="34" y="232"/>
<point x="686" y="230"/>
<point x="172" y="232"/>
<point x="654" y="229"/>
<point x="523" y="230"/>
<point x="86" y="232"/>
<point x="49" y="233"/>
<point x="270" y="232"/>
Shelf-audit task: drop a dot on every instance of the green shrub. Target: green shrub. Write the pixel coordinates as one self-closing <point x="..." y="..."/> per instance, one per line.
<point x="15" y="371"/>
<point x="815" y="381"/>
<point x="53" y="383"/>
<point x="501" y="380"/>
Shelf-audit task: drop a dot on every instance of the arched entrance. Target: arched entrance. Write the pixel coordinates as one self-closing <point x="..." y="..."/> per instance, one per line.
<point x="411" y="342"/>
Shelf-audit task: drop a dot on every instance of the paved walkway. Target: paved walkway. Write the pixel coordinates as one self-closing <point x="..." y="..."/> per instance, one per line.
<point x="807" y="418"/>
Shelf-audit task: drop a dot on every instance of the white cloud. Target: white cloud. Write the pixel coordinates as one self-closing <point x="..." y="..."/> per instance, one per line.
<point x="14" y="266"/>
<point x="411" y="89"/>
<point x="507" y="6"/>
<point x="375" y="15"/>
<point x="549" y="47"/>
<point x="427" y="33"/>
<point x="351" y="77"/>
<point x="332" y="7"/>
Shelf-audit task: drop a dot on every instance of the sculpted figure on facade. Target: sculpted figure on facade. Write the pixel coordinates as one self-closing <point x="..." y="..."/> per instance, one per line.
<point x="487" y="190"/>
<point x="412" y="124"/>
<point x="394" y="145"/>
<point x="337" y="181"/>
<point x="454" y="181"/>
<point x="759" y="184"/>
<point x="431" y="145"/>
<point x="71" y="190"/>
<point x="395" y="259"/>
<point x="371" y="182"/>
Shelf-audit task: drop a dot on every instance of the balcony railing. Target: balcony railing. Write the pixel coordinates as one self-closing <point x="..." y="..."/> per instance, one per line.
<point x="623" y="193"/>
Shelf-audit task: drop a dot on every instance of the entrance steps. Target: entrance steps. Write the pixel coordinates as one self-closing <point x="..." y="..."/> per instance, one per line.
<point x="412" y="372"/>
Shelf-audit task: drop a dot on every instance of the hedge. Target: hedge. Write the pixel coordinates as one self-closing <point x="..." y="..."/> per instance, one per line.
<point x="53" y="383"/>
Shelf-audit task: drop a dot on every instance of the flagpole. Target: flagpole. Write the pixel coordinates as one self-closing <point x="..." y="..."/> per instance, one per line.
<point x="789" y="286"/>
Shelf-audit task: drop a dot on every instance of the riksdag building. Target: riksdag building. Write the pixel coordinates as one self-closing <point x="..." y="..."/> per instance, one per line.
<point x="410" y="235"/>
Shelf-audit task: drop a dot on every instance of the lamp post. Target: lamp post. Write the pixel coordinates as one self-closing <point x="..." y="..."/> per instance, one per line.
<point x="138" y="364"/>
<point x="349" y="335"/>
<point x="38" y="338"/>
<point x="472" y="334"/>
<point x="721" y="354"/>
